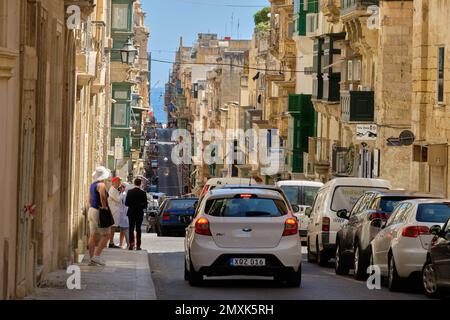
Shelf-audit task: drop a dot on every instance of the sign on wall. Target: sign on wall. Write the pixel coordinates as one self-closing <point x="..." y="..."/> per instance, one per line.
<point x="366" y="132"/>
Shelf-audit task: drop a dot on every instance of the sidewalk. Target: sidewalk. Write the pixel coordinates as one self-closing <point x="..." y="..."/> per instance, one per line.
<point x="126" y="276"/>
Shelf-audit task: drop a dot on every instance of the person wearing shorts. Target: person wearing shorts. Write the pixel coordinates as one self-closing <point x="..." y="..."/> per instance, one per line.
<point x="97" y="199"/>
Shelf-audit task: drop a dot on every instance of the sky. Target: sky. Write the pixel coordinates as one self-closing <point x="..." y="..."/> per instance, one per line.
<point x="170" y="19"/>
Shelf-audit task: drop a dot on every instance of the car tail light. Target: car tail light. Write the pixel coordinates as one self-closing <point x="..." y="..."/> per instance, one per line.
<point x="415" y="231"/>
<point x="245" y="196"/>
<point x="290" y="227"/>
<point x="325" y="224"/>
<point x="202" y="227"/>
<point x="378" y="215"/>
<point x="166" y="216"/>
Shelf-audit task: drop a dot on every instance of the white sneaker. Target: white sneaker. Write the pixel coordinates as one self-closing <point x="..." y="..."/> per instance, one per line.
<point x="98" y="261"/>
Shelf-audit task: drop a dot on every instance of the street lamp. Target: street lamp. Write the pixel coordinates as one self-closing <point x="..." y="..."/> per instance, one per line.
<point x="128" y="53"/>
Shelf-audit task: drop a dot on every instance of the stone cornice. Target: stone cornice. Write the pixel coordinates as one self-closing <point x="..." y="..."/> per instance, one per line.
<point x="7" y="62"/>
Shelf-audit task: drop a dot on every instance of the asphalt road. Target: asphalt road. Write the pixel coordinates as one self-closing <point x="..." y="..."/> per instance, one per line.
<point x="166" y="261"/>
<point x="167" y="170"/>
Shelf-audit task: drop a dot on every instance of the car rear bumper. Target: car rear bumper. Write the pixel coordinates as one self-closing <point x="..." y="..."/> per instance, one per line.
<point x="221" y="266"/>
<point x="204" y="253"/>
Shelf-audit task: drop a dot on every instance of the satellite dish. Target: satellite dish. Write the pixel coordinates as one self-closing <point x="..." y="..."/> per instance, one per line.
<point x="406" y="138"/>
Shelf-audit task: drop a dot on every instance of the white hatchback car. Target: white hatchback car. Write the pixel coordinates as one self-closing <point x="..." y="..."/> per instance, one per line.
<point x="400" y="248"/>
<point x="243" y="232"/>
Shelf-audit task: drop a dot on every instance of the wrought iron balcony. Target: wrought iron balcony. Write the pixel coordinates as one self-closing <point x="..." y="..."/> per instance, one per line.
<point x="357" y="106"/>
<point x="352" y="6"/>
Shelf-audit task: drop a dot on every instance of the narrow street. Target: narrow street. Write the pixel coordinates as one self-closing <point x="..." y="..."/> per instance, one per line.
<point x="166" y="262"/>
<point x="167" y="170"/>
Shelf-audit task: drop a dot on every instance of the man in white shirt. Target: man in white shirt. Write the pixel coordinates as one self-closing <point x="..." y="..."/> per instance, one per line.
<point x="115" y="202"/>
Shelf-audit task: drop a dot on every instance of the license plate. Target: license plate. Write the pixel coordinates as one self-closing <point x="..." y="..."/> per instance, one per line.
<point x="247" y="262"/>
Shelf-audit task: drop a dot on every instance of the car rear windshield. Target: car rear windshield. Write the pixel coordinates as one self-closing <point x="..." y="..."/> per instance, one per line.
<point x="433" y="212"/>
<point x="298" y="195"/>
<point x="245" y="207"/>
<point x="181" y="204"/>
<point x="345" y="197"/>
<point x="388" y="204"/>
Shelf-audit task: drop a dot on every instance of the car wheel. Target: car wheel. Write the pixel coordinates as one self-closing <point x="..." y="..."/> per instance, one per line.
<point x="358" y="264"/>
<point x="195" y="278"/>
<point x="339" y="267"/>
<point x="294" y="280"/>
<point x="310" y="256"/>
<point x="158" y="231"/>
<point x="429" y="280"/>
<point x="394" y="280"/>
<point x="322" y="258"/>
<point x="186" y="271"/>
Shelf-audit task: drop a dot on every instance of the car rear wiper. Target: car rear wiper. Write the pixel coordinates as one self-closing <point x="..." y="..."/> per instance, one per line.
<point x="257" y="213"/>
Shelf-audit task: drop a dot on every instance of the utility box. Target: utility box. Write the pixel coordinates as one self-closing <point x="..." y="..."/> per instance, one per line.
<point x="438" y="155"/>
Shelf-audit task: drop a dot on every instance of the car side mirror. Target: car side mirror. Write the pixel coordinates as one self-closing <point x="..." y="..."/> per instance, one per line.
<point x="436" y="230"/>
<point x="377" y="223"/>
<point x="343" y="213"/>
<point x="295" y="208"/>
<point x="308" y="212"/>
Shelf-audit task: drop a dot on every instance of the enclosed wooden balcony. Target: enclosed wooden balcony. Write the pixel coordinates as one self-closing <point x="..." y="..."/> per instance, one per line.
<point x="357" y="106"/>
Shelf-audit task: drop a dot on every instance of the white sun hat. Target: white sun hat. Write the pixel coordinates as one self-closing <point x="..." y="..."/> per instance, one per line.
<point x="101" y="173"/>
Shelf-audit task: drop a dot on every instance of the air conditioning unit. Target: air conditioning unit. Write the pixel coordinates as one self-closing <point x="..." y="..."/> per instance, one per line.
<point x="311" y="24"/>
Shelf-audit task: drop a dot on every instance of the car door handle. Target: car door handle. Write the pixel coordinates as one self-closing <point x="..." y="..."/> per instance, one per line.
<point x="247" y="230"/>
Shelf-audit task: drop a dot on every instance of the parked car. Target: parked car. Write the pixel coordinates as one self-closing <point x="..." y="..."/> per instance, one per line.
<point x="436" y="272"/>
<point x="175" y="214"/>
<point x="353" y="240"/>
<point x="302" y="194"/>
<point x="245" y="231"/>
<point x="220" y="182"/>
<point x="400" y="249"/>
<point x="335" y="195"/>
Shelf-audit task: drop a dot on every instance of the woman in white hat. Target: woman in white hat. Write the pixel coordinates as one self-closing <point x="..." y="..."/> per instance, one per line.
<point x="98" y="199"/>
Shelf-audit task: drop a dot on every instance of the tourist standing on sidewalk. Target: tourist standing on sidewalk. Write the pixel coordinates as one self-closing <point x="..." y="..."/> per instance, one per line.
<point x="136" y="202"/>
<point x="98" y="199"/>
<point x="115" y="203"/>
<point x="124" y="224"/>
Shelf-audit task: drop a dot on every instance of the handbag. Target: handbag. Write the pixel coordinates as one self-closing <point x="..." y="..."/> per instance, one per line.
<point x="106" y="218"/>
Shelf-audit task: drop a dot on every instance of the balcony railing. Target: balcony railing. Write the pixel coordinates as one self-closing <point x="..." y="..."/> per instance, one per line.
<point x="357" y="106"/>
<point x="350" y="6"/>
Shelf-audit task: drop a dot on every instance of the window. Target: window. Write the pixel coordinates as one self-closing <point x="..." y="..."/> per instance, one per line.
<point x="435" y="213"/>
<point x="185" y="204"/>
<point x="345" y="197"/>
<point x="120" y="114"/>
<point x="441" y="66"/>
<point x="3" y="19"/>
<point x="243" y="207"/>
<point x="350" y="70"/>
<point x="121" y="95"/>
<point x="120" y="16"/>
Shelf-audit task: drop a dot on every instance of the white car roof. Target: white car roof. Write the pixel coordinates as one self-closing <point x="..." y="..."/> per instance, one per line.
<point x="224" y="181"/>
<point x="300" y="183"/>
<point x="363" y="182"/>
<point x="232" y="192"/>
